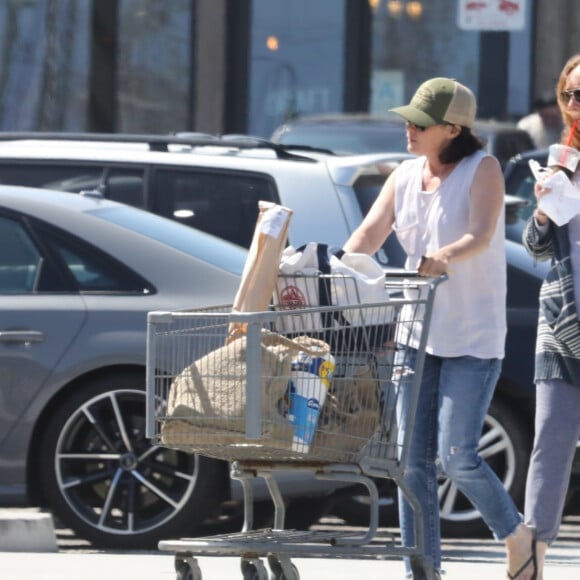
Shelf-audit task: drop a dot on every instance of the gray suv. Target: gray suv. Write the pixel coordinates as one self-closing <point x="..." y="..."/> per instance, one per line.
<point x="209" y="183"/>
<point x="214" y="184"/>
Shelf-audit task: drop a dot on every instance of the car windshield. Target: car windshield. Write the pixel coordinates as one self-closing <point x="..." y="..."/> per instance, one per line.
<point x="210" y="249"/>
<point x="348" y="139"/>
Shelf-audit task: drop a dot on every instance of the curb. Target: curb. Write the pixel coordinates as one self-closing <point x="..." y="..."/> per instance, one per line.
<point x="27" y="530"/>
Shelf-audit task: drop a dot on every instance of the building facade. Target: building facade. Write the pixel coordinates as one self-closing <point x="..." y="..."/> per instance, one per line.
<point x="245" y="66"/>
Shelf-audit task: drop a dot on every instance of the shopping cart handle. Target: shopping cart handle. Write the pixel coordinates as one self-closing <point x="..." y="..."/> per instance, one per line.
<point x="402" y="273"/>
<point x="399" y="272"/>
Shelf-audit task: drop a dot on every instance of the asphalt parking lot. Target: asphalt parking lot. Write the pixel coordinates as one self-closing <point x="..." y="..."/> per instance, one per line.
<point x="479" y="558"/>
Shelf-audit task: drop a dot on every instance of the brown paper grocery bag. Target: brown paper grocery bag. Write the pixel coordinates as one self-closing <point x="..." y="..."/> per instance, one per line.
<point x="261" y="267"/>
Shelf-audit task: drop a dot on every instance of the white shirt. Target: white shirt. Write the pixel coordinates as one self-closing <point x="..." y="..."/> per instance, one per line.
<point x="469" y="314"/>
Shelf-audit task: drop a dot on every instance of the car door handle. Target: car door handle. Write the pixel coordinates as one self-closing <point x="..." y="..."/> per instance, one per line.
<point x="21" y="336"/>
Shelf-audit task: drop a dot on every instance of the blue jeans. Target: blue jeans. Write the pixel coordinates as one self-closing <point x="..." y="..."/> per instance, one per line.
<point x="454" y="396"/>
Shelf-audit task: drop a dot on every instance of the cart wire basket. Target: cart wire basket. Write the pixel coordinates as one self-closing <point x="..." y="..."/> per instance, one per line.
<point x="297" y="387"/>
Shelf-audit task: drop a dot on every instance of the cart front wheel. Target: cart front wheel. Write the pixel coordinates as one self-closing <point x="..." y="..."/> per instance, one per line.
<point x="187" y="569"/>
<point x="254" y="569"/>
<point x="277" y="571"/>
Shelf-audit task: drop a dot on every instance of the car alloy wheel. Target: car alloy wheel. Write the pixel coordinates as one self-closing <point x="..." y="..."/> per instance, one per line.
<point x="109" y="483"/>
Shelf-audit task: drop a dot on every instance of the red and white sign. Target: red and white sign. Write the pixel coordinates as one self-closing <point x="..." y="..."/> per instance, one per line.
<point x="491" y="14"/>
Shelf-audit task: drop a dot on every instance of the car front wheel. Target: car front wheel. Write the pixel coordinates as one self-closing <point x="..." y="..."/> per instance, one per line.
<point x="106" y="481"/>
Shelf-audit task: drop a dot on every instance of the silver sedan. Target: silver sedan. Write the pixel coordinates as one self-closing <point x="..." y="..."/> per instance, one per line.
<point x="78" y="275"/>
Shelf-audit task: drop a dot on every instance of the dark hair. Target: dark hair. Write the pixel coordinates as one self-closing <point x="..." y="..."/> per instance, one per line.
<point x="464" y="145"/>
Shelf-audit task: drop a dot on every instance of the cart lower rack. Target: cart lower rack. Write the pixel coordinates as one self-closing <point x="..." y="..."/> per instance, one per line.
<point x="318" y="389"/>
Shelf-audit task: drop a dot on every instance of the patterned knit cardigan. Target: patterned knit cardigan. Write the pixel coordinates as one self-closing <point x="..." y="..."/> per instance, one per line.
<point x="558" y="339"/>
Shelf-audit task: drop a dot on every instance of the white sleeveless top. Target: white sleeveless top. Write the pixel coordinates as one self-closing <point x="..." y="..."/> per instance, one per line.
<point x="469" y="313"/>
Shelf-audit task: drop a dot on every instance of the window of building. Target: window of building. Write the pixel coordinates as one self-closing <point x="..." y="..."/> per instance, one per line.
<point x="296" y="61"/>
<point x="413" y="41"/>
<point x="154" y="66"/>
<point x="44" y="65"/>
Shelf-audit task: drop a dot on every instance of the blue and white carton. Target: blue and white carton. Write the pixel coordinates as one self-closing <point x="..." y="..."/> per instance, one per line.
<point x="310" y="379"/>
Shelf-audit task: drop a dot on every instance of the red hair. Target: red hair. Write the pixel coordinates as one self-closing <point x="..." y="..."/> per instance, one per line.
<point x="570" y="65"/>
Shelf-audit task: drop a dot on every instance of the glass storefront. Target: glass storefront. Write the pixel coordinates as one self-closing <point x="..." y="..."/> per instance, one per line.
<point x="413" y="41"/>
<point x="154" y="66"/>
<point x="297" y="55"/>
<point x="47" y="52"/>
<point x="296" y="61"/>
<point x="130" y="65"/>
<point x="44" y="65"/>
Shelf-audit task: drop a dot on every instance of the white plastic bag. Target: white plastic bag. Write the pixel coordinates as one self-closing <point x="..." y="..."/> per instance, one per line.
<point x="356" y="279"/>
<point x="563" y="202"/>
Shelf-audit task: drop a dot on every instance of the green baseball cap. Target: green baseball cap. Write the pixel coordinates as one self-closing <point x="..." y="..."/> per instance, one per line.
<point x="438" y="101"/>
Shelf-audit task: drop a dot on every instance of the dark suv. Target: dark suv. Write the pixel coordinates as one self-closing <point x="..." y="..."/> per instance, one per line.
<point x="214" y="184"/>
<point x="519" y="180"/>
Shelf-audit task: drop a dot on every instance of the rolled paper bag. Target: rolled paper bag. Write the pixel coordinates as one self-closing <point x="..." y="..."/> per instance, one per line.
<point x="310" y="379"/>
<point x="261" y="268"/>
<point x="563" y="157"/>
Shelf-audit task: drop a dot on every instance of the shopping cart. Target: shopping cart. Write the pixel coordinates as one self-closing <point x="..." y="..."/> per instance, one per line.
<point x="297" y="387"/>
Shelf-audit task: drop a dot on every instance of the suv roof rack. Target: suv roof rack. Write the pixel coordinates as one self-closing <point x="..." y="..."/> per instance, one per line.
<point x="162" y="142"/>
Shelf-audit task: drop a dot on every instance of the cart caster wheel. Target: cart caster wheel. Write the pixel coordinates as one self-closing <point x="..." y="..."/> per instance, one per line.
<point x="254" y="569"/>
<point x="278" y="572"/>
<point x="187" y="569"/>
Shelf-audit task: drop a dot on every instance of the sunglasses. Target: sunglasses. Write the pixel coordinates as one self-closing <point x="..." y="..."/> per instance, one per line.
<point x="419" y="128"/>
<point x="566" y="95"/>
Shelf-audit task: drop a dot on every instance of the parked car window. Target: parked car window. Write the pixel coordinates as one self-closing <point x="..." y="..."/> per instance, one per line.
<point x="126" y="186"/>
<point x="95" y="271"/>
<point x="92" y="269"/>
<point x="47" y="174"/>
<point x="222" y="204"/>
<point x="525" y="190"/>
<point x="366" y="189"/>
<point x="24" y="269"/>
<point x="519" y="180"/>
<point x="123" y="184"/>
<point x="510" y="143"/>
<point x="196" y="244"/>
<point x="19" y="258"/>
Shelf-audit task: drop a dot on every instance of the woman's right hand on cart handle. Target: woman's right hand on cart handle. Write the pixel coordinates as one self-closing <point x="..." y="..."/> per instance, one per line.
<point x="432" y="266"/>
